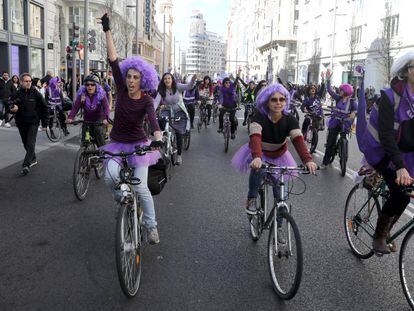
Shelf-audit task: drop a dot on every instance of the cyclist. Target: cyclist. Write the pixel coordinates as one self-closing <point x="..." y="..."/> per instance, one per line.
<point x="54" y="97"/>
<point x="248" y="97"/>
<point x="344" y="109"/>
<point x="93" y="99"/>
<point x="269" y="130"/>
<point x="228" y="103"/>
<point x="132" y="76"/>
<point x="387" y="144"/>
<point x="312" y="105"/>
<point x="206" y="90"/>
<point x="190" y="98"/>
<point x="170" y="93"/>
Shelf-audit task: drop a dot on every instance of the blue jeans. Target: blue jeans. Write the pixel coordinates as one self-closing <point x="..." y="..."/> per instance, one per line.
<point x="255" y="180"/>
<point x="145" y="197"/>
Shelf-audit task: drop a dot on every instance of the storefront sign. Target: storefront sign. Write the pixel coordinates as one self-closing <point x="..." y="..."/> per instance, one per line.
<point x="147" y="16"/>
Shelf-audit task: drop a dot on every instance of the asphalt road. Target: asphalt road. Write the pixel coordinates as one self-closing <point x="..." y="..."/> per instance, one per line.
<point x="58" y="253"/>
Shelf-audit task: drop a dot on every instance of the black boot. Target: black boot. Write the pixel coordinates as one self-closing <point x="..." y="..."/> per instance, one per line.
<point x="379" y="244"/>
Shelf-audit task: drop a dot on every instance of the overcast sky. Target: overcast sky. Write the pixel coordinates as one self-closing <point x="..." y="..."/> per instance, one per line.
<point x="215" y="14"/>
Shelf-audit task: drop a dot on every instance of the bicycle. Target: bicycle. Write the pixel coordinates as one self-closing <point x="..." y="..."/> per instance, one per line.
<point x="169" y="139"/>
<point x="202" y="118"/>
<point x="293" y="109"/>
<point x="341" y="146"/>
<point x="82" y="166"/>
<point x="187" y="139"/>
<point x="227" y="127"/>
<point x="311" y="134"/>
<point x="54" y="129"/>
<point x="360" y="217"/>
<point x="282" y="245"/>
<point x="215" y="112"/>
<point x="249" y="107"/>
<point x="129" y="239"/>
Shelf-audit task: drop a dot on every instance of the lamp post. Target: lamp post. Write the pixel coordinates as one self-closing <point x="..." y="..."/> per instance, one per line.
<point x="136" y="6"/>
<point x="85" y="40"/>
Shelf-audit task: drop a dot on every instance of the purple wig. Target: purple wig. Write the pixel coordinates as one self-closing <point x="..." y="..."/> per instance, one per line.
<point x="53" y="84"/>
<point x="264" y="96"/>
<point x="347" y="89"/>
<point x="149" y="76"/>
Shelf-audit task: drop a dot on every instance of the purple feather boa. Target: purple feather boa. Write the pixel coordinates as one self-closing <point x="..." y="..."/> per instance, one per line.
<point x="97" y="99"/>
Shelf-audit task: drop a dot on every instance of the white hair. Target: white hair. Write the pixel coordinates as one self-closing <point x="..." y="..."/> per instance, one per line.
<point x="399" y="65"/>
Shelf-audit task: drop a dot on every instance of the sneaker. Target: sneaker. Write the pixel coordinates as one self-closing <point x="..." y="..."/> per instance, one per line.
<point x="179" y="160"/>
<point x="220" y="131"/>
<point x="153" y="237"/>
<point x="33" y="163"/>
<point x="251" y="206"/>
<point x="7" y="124"/>
<point x="233" y="136"/>
<point x="25" y="170"/>
<point x="1" y="122"/>
<point x="322" y="167"/>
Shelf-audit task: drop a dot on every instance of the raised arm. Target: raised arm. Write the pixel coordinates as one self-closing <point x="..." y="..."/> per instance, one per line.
<point x="109" y="39"/>
<point x="186" y="87"/>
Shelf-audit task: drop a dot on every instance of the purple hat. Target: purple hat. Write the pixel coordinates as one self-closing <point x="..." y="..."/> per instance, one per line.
<point x="149" y="78"/>
<point x="266" y="93"/>
<point x="347" y="89"/>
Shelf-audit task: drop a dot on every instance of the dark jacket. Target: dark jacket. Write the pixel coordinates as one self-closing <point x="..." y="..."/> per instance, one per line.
<point x="32" y="107"/>
<point x="5" y="88"/>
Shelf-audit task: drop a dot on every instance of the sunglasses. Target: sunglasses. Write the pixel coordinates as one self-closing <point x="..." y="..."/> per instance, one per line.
<point x="277" y="99"/>
<point x="90" y="84"/>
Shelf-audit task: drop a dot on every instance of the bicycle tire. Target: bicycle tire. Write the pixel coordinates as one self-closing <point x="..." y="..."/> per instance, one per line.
<point x="54" y="133"/>
<point x="226" y="133"/>
<point x="81" y="174"/>
<point x="173" y="149"/>
<point x="256" y="221"/>
<point x="308" y="138"/>
<point x="124" y="237"/>
<point x="214" y="115"/>
<point x="343" y="158"/>
<point x="187" y="140"/>
<point x="277" y="269"/>
<point x="353" y="220"/>
<point x="406" y="270"/>
<point x="248" y="125"/>
<point x="296" y="114"/>
<point x="199" y="125"/>
<point x="98" y="167"/>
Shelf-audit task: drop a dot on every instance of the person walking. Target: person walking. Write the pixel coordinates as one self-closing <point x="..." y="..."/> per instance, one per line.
<point x="30" y="109"/>
<point x="5" y="83"/>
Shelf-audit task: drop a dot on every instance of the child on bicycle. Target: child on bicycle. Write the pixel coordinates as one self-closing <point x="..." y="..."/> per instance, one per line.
<point x="345" y="109"/>
<point x="269" y="130"/>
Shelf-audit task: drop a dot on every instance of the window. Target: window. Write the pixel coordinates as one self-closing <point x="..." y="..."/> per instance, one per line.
<point x="316" y="44"/>
<point x="356" y="34"/>
<point x="17" y="16"/>
<point x="391" y="24"/>
<point x="296" y="14"/>
<point x="36" y="60"/>
<point x="295" y="30"/>
<point x="1" y="14"/>
<point x="35" y="21"/>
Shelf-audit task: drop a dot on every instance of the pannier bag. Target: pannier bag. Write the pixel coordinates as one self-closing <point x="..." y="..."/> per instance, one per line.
<point x="158" y="175"/>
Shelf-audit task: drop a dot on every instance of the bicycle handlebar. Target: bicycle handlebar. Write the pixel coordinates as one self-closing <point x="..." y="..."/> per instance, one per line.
<point x="139" y="151"/>
<point x="86" y="122"/>
<point x="270" y="167"/>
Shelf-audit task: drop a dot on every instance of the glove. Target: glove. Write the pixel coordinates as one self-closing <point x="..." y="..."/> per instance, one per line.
<point x="157" y="144"/>
<point x="105" y="22"/>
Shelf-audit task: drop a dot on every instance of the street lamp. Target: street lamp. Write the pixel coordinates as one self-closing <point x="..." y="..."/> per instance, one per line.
<point x="270" y="60"/>
<point x="136" y="6"/>
<point x="333" y="33"/>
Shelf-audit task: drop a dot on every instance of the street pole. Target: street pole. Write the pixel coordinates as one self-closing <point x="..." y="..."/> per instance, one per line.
<point x="271" y="48"/>
<point x="137" y="25"/>
<point x="333" y="36"/>
<point x="74" y="73"/>
<point x="247" y="60"/>
<point x="179" y="59"/>
<point x="163" y="48"/>
<point x="174" y="55"/>
<point x="85" y="40"/>
<point x="237" y="52"/>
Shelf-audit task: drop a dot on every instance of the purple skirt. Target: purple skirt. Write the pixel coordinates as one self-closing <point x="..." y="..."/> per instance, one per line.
<point x="241" y="160"/>
<point x="148" y="159"/>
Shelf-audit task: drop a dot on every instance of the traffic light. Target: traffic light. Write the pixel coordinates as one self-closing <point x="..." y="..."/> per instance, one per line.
<point x="75" y="39"/>
<point x="69" y="51"/>
<point x="92" y="40"/>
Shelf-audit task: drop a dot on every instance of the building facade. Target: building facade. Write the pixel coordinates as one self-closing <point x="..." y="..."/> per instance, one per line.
<point x="35" y="34"/>
<point x="364" y="32"/>
<point x="206" y="53"/>
<point x="262" y="39"/>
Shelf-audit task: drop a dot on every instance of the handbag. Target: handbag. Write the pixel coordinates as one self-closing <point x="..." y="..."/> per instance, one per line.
<point x="158" y="175"/>
<point x="405" y="136"/>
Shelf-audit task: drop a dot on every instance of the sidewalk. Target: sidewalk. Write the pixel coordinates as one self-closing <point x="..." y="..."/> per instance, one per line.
<point x="11" y="147"/>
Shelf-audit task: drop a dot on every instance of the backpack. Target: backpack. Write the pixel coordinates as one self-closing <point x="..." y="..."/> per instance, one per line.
<point x="158" y="175"/>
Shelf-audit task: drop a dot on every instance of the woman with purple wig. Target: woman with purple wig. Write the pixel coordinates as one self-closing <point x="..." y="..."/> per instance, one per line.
<point x="269" y="130"/>
<point x="93" y="100"/>
<point x="54" y="97"/>
<point x="133" y="77"/>
<point x="345" y="109"/>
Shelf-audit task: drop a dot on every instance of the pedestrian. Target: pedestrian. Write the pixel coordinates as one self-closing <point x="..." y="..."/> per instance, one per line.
<point x="30" y="109"/>
<point x="4" y="98"/>
<point x="14" y="84"/>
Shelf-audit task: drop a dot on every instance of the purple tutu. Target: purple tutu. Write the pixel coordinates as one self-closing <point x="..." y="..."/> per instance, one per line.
<point x="241" y="160"/>
<point x="148" y="159"/>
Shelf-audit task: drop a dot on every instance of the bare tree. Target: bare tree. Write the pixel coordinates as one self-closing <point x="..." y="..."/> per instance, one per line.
<point x="388" y="45"/>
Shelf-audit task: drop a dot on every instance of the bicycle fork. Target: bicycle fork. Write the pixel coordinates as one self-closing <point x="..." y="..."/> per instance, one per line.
<point x="282" y="207"/>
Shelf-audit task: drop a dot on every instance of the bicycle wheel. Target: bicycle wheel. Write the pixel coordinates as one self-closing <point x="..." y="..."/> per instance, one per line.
<point x="256" y="221"/>
<point x="314" y="141"/>
<point x="248" y="125"/>
<point x="226" y="134"/>
<point x="215" y="114"/>
<point x="406" y="267"/>
<point x="199" y="123"/>
<point x="360" y="218"/>
<point x="81" y="174"/>
<point x="98" y="167"/>
<point x="308" y="138"/>
<point x="296" y="114"/>
<point x="128" y="250"/>
<point x="187" y="140"/>
<point x="285" y="263"/>
<point x="53" y="131"/>
<point x="343" y="156"/>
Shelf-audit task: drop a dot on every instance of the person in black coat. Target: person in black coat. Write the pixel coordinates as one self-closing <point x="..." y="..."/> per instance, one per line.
<point x="30" y="109"/>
